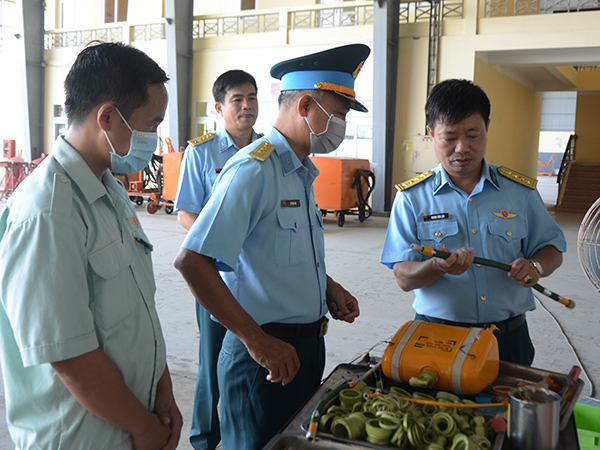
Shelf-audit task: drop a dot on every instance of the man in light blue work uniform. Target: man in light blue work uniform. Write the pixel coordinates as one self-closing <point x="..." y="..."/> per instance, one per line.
<point x="235" y="98"/>
<point x="262" y="228"/>
<point x="472" y="208"/>
<point x="82" y="350"/>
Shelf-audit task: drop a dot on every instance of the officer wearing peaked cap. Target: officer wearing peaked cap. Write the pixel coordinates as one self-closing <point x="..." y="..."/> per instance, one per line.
<point x="262" y="229"/>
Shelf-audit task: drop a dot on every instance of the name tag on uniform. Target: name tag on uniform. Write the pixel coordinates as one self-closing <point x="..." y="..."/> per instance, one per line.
<point x="218" y="170"/>
<point x="438" y="216"/>
<point x="290" y="203"/>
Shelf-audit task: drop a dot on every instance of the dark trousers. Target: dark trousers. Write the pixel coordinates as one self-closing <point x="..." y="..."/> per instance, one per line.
<point x="514" y="346"/>
<point x="253" y="410"/>
<point x="205" y="433"/>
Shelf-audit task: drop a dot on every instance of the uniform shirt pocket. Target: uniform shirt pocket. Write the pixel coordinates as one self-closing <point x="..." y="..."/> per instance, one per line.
<point x="292" y="242"/>
<point x="507" y="235"/>
<point x="114" y="291"/>
<point x="437" y="233"/>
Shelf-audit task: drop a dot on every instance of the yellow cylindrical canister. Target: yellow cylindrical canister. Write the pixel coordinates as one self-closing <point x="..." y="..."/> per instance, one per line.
<point x="464" y="360"/>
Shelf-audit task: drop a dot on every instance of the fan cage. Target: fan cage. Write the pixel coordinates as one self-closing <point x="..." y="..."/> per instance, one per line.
<point x="588" y="244"/>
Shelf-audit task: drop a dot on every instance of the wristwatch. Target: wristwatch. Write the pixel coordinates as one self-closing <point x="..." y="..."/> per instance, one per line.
<point x="537" y="266"/>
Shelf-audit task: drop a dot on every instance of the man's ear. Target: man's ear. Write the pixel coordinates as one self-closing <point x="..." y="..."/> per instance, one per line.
<point x="430" y="131"/>
<point x="105" y="115"/>
<point x="303" y="105"/>
<point x="219" y="108"/>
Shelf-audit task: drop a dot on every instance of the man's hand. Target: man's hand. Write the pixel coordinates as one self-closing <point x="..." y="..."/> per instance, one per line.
<point x="458" y="262"/>
<point x="98" y="386"/>
<point x="523" y="272"/>
<point x="342" y="305"/>
<point x="167" y="411"/>
<point x="207" y="286"/>
<point x="278" y="357"/>
<point x="153" y="436"/>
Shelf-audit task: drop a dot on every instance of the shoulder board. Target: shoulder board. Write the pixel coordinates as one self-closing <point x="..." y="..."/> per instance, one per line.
<point x="201" y="139"/>
<point x="261" y="134"/>
<point x="518" y="177"/>
<point x="416" y="180"/>
<point x="262" y="151"/>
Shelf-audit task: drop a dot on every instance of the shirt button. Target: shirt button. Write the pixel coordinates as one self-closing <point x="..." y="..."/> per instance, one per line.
<point x="438" y="234"/>
<point x="483" y="298"/>
<point x="133" y="264"/>
<point x="473" y="231"/>
<point x="509" y="233"/>
<point x="296" y="224"/>
<point x="470" y="199"/>
<point x="116" y="266"/>
<point x="318" y="264"/>
<point x="63" y="179"/>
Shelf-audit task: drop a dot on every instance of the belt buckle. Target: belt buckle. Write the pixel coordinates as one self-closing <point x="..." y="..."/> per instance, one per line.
<point x="324" y="326"/>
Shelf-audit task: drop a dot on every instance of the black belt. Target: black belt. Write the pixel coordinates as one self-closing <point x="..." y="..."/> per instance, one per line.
<point x="292" y="331"/>
<point x="502" y="328"/>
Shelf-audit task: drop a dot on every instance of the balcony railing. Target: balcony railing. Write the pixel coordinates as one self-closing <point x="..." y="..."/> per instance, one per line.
<point x="235" y="24"/>
<point x="345" y="14"/>
<point x="119" y="33"/>
<point x="495" y="8"/>
<point x="332" y="16"/>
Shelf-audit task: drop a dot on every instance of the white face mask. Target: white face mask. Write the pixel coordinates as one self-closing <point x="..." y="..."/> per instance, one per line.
<point x="141" y="148"/>
<point x="331" y="138"/>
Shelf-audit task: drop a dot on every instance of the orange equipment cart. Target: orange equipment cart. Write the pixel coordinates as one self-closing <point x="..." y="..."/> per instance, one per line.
<point x="343" y="187"/>
<point x="157" y="182"/>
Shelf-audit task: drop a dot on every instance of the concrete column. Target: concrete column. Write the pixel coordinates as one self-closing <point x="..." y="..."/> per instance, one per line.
<point x="178" y="30"/>
<point x="30" y="36"/>
<point x="385" y="78"/>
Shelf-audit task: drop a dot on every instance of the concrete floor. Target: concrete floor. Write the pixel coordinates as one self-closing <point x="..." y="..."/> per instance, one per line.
<point x="562" y="337"/>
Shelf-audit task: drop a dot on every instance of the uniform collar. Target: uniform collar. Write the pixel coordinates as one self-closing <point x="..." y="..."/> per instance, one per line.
<point x="490" y="174"/>
<point x="225" y="140"/>
<point x="441" y="177"/>
<point x="289" y="161"/>
<point x="79" y="172"/>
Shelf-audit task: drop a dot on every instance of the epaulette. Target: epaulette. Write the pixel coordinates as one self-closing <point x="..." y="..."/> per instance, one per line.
<point x="262" y="151"/>
<point x="201" y="139"/>
<point x="518" y="177"/>
<point x="413" y="181"/>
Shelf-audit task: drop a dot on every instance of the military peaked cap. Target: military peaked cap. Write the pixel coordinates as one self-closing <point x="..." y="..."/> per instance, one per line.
<point x="331" y="70"/>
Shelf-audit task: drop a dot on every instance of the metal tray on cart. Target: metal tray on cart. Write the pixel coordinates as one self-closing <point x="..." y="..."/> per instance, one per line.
<point x="292" y="437"/>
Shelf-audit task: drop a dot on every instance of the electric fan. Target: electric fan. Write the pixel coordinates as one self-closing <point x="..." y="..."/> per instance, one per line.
<point x="588" y="244"/>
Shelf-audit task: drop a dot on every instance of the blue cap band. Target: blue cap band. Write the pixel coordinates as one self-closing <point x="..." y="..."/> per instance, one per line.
<point x="308" y="78"/>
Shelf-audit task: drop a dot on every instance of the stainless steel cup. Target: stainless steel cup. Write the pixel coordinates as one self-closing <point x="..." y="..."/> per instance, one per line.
<point x="533" y="420"/>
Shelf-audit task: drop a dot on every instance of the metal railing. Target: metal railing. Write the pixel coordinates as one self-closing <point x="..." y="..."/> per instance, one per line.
<point x="331" y="16"/>
<point x="148" y="32"/>
<point x="495" y="8"/>
<point x="77" y="38"/>
<point x="118" y="33"/>
<point x="565" y="166"/>
<point x="347" y="14"/>
<point x="421" y="11"/>
<point x="235" y="24"/>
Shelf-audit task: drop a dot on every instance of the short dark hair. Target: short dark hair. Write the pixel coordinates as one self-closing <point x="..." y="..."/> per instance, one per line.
<point x="230" y="80"/>
<point x="109" y="72"/>
<point x="287" y="98"/>
<point x="452" y="101"/>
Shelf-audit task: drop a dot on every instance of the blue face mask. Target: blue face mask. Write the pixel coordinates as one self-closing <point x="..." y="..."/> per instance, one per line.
<point x="141" y="148"/>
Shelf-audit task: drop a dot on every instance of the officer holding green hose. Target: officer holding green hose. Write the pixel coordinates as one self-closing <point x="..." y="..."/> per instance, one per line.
<point x="472" y="208"/>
